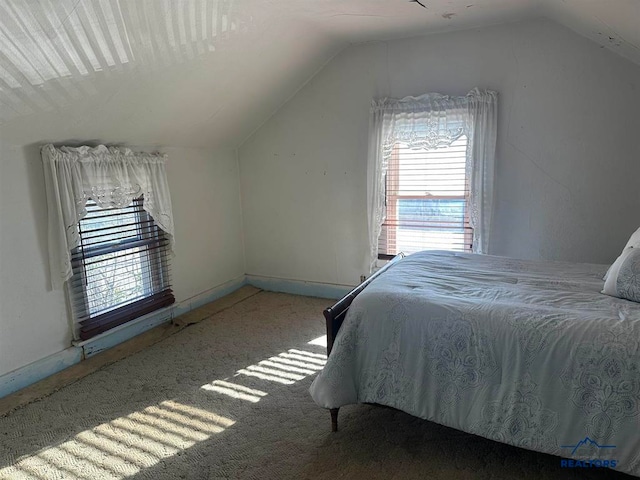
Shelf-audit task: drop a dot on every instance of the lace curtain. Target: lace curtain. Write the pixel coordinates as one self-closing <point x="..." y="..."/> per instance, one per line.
<point x="431" y="121"/>
<point x="112" y="178"/>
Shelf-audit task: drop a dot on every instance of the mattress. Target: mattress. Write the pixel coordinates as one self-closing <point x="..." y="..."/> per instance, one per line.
<point x="523" y="352"/>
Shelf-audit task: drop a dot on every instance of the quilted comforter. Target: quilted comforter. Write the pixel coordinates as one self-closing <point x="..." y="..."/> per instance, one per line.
<point x="522" y="352"/>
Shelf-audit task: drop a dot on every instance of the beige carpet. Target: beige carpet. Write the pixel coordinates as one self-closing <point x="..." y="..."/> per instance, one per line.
<point x="227" y="398"/>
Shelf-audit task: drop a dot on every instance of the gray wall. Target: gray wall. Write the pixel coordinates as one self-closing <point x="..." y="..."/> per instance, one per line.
<point x="568" y="155"/>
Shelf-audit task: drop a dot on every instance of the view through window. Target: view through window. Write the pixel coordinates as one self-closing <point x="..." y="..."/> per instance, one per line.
<point x="120" y="269"/>
<point x="426" y="200"/>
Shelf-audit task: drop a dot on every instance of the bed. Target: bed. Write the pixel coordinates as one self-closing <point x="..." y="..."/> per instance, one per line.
<point x="522" y="352"/>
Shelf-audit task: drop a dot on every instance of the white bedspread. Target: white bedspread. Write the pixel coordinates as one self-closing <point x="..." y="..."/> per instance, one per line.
<point x="526" y="353"/>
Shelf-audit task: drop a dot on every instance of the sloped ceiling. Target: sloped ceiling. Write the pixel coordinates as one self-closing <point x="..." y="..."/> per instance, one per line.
<point x="207" y="73"/>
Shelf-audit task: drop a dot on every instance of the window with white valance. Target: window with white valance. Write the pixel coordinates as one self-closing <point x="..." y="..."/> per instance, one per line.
<point x="109" y="216"/>
<point x="434" y="154"/>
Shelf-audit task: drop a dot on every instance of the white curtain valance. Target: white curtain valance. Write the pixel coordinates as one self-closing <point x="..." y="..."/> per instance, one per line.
<point x="429" y="121"/>
<point x="432" y="121"/>
<point x="112" y="178"/>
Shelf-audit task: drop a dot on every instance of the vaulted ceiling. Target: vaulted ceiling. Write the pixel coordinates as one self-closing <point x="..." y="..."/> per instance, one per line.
<point x="207" y="73"/>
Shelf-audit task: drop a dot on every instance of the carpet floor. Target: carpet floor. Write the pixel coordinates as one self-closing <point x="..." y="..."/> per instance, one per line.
<point x="228" y="398"/>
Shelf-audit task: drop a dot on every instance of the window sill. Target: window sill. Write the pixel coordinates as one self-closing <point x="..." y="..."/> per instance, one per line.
<point x="156" y="317"/>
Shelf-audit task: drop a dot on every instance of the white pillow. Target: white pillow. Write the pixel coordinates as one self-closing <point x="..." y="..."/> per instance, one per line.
<point x="606" y="275"/>
<point x="634" y="242"/>
<point x="624" y="276"/>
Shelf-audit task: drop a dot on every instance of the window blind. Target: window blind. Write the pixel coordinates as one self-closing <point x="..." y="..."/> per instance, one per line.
<point x="120" y="269"/>
<point x="426" y="205"/>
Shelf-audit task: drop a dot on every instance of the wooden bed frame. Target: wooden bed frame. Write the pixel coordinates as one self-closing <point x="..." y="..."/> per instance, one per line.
<point x="335" y="315"/>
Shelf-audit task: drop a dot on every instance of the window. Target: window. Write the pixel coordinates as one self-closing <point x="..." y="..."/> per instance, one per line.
<point x="426" y="200"/>
<point x="120" y="269"/>
<point x="430" y="170"/>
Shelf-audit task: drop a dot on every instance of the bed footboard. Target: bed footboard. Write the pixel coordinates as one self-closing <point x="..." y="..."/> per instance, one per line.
<point x="336" y="313"/>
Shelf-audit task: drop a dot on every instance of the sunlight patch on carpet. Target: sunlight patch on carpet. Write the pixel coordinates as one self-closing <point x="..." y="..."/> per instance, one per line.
<point x="320" y="341"/>
<point x="123" y="446"/>
<point x="234" y="390"/>
<point x="286" y="368"/>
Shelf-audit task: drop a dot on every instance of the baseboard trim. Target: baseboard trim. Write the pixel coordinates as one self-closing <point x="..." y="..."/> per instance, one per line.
<point x="40" y="369"/>
<point x="29" y="374"/>
<point x="299" y="287"/>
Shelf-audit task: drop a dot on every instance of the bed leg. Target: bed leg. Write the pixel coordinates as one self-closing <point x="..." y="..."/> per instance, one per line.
<point x="334" y="419"/>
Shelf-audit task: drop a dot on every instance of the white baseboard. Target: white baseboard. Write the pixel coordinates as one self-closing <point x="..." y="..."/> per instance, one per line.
<point x="29" y="374"/>
<point x="299" y="287"/>
<point x="34" y="372"/>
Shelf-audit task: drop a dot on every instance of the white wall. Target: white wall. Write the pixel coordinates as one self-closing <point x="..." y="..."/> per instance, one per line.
<point x="204" y="187"/>
<point x="568" y="158"/>
<point x="205" y="194"/>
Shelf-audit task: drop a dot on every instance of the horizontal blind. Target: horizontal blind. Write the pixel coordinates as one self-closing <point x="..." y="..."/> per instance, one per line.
<point x="426" y="200"/>
<point x="120" y="269"/>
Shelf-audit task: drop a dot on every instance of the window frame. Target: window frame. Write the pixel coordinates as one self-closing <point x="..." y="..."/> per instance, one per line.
<point x="155" y="279"/>
<point x="391" y="184"/>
